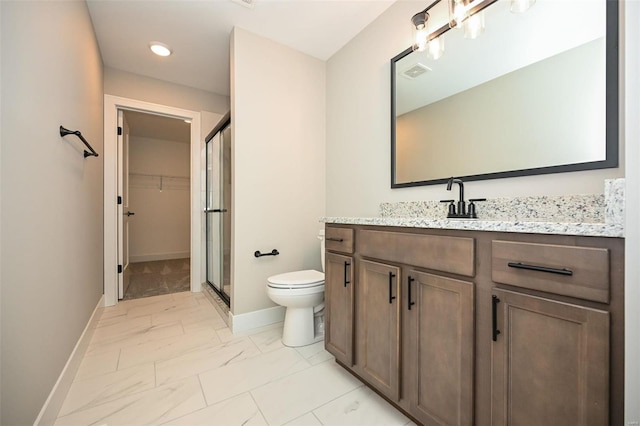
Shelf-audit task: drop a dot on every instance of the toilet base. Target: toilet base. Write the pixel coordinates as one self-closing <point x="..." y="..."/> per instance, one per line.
<point x="299" y="327"/>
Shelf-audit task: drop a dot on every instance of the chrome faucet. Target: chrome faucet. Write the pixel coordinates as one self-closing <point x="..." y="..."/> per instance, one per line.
<point x="461" y="211"/>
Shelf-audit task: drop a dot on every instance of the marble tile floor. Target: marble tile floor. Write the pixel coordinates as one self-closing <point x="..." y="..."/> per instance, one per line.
<point x="157" y="277"/>
<point x="172" y="360"/>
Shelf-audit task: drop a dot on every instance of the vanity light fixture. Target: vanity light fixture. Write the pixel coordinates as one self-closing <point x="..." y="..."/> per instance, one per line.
<point x="458" y="12"/>
<point x="519" y="6"/>
<point x="421" y="41"/>
<point x="160" y="49"/>
<point x="466" y="14"/>
<point x="474" y="25"/>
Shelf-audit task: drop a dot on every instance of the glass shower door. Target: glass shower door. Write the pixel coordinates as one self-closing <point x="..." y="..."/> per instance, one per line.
<point x="217" y="212"/>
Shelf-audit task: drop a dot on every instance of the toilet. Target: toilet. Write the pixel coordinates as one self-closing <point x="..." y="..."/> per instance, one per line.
<point x="302" y="294"/>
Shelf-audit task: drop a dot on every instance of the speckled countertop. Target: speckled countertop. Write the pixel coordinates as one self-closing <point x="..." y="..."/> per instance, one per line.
<point x="586" y="215"/>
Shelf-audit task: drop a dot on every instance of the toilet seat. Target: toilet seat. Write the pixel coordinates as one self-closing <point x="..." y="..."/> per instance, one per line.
<point x="297" y="280"/>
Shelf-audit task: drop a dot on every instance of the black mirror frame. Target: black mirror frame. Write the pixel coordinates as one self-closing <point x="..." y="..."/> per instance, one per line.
<point x="611" y="117"/>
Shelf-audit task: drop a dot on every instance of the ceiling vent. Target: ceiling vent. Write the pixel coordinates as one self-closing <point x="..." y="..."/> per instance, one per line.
<point x="246" y="3"/>
<point x="415" y="71"/>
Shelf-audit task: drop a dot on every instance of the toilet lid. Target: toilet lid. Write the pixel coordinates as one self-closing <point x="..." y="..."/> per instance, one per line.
<point x="297" y="279"/>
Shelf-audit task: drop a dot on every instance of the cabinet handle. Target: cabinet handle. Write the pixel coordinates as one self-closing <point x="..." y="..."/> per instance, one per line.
<point x="494" y="316"/>
<point x="391" y="296"/>
<point x="334" y="239"/>
<point x="409" y="302"/>
<point x="518" y="265"/>
<point x="346" y="280"/>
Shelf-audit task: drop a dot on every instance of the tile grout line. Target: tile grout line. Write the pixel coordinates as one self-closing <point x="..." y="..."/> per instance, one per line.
<point x="258" y="406"/>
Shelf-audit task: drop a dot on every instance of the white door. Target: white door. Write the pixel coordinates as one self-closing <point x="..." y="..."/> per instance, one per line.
<point x="123" y="206"/>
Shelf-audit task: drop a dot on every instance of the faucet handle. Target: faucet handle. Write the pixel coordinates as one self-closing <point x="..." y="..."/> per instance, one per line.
<point x="472" y="207"/>
<point x="452" y="207"/>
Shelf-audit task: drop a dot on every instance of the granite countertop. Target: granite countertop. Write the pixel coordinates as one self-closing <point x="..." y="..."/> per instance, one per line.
<point x="559" y="228"/>
<point x="600" y="215"/>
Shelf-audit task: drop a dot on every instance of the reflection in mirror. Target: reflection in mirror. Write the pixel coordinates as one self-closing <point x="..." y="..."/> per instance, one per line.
<point x="532" y="95"/>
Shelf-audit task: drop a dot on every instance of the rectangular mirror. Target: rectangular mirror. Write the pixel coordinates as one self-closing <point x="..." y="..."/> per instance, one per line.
<point x="536" y="93"/>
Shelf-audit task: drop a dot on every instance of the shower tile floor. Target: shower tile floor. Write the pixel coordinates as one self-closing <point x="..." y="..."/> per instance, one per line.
<point x="172" y="360"/>
<point x="157" y="277"/>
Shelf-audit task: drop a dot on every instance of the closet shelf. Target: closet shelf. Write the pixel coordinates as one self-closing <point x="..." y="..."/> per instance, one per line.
<point x="159" y="182"/>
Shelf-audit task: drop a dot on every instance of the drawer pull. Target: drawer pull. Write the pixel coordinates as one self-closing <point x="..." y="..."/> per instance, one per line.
<point x="334" y="239"/>
<point x="494" y="317"/>
<point x="518" y="265"/>
<point x="391" y="296"/>
<point x="410" y="279"/>
<point x="346" y="280"/>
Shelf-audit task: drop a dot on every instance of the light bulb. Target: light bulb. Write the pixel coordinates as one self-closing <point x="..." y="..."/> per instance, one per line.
<point x="435" y="48"/>
<point x="160" y="49"/>
<point x="420" y="40"/>
<point x="474" y="26"/>
<point x="458" y="13"/>
<point x="420" y="31"/>
<point x="520" y="6"/>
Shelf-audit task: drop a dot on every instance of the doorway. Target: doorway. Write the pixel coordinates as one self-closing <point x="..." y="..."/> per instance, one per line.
<point x="155" y="170"/>
<point x="113" y="211"/>
<point x="218" y="209"/>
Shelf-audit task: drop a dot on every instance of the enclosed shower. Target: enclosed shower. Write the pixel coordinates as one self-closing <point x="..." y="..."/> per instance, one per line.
<point x="218" y="208"/>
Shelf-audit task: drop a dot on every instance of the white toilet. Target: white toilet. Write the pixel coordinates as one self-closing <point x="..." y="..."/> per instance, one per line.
<point x="302" y="294"/>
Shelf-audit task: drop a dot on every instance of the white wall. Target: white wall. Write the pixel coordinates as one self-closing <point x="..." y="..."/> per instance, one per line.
<point x="160" y="228"/>
<point x="134" y="86"/>
<point x="51" y="195"/>
<point x="278" y="152"/>
<point x="631" y="47"/>
<point x="358" y="130"/>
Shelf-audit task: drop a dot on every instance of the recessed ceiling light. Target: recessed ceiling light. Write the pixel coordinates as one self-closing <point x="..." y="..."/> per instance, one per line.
<point x="160" y="49"/>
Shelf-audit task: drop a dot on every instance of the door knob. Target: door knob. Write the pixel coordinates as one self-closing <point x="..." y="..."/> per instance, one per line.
<point x="130" y="213"/>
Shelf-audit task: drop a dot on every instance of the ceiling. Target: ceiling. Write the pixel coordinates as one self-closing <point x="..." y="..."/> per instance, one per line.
<point x="198" y="32"/>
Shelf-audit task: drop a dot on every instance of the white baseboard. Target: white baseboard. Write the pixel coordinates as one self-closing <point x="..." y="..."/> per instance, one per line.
<point x="159" y="256"/>
<point x="52" y="405"/>
<point x="256" y="319"/>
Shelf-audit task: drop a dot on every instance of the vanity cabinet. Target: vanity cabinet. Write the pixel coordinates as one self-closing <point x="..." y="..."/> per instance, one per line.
<point x="458" y="327"/>
<point x="550" y="359"/>
<point x="440" y="348"/>
<point x="378" y="326"/>
<point x="338" y="294"/>
<point x="550" y="362"/>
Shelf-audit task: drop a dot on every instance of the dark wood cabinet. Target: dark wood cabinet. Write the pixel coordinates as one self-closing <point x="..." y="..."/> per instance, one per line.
<point x="440" y="345"/>
<point x="418" y="323"/>
<point x="550" y="362"/>
<point x="338" y="295"/>
<point x="378" y="326"/>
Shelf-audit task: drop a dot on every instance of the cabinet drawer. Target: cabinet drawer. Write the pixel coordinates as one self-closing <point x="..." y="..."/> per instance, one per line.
<point x="339" y="239"/>
<point x="581" y="272"/>
<point x="447" y="254"/>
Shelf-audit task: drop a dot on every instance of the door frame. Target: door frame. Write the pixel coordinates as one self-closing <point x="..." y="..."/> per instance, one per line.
<point x="111" y="106"/>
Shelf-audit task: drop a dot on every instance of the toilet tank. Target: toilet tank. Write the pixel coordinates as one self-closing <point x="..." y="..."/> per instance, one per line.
<point x="321" y="238"/>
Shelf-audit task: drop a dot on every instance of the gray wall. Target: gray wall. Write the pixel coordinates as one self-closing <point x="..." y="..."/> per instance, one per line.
<point x="52" y="209"/>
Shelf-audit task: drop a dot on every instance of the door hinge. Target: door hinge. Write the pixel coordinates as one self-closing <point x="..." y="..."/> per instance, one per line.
<point x="119" y="131"/>
<point x="119" y="199"/>
<point x="119" y="269"/>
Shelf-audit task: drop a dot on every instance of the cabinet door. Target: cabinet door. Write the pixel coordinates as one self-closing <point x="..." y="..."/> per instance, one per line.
<point x="377" y="326"/>
<point x="440" y="342"/>
<point x="550" y="362"/>
<point x="338" y="293"/>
